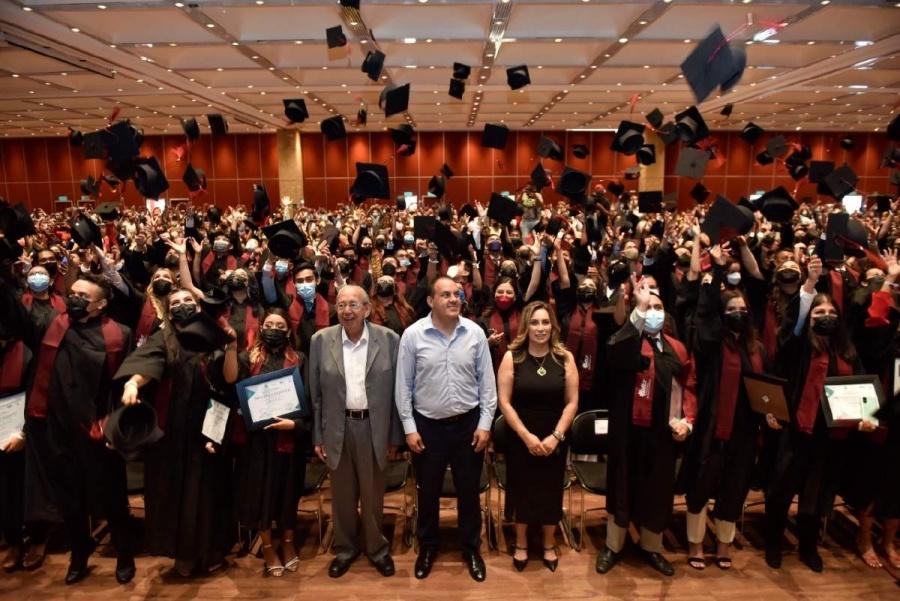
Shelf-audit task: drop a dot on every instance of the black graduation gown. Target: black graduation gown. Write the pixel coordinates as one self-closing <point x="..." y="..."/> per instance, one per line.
<point x="186" y="489"/>
<point x="12" y="465"/>
<point x="641" y="471"/>
<point x="268" y="482"/>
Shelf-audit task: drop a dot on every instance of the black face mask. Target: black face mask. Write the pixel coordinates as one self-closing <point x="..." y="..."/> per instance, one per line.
<point x="77" y="307"/>
<point x="182" y="313"/>
<point x="516" y="242"/>
<point x="384" y="290"/>
<point x="328" y="275"/>
<point x="237" y="283"/>
<point x="365" y="251"/>
<point x="161" y="288"/>
<point x="684" y="260"/>
<point x="272" y="338"/>
<point x="788" y="276"/>
<point x="875" y="283"/>
<point x="586" y="295"/>
<point x="825" y="326"/>
<point x="51" y="267"/>
<point x="171" y="262"/>
<point x="509" y="272"/>
<point x="389" y="269"/>
<point x="736" y="321"/>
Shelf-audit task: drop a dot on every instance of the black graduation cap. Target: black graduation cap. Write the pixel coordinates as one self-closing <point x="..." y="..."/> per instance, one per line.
<point x="194" y="179"/>
<point x="402" y="134"/>
<point x="501" y="208"/>
<point x="295" y="110"/>
<point x="555" y="224"/>
<point x="90" y="186"/>
<point x="655" y="118"/>
<point x="75" y="137"/>
<point x="494" y="136"/>
<point x="333" y="128"/>
<point x="725" y="220"/>
<point x="668" y="133"/>
<point x="690" y="125"/>
<point x="752" y="132"/>
<point x="847" y="143"/>
<point x="777" y="205"/>
<point x="350" y="3"/>
<point x="699" y="192"/>
<point x="615" y="188"/>
<point x="650" y="201"/>
<point x="713" y="63"/>
<point x="797" y="171"/>
<point x="461" y="71"/>
<point x="424" y="226"/>
<point x="201" y="334"/>
<point x="373" y="64"/>
<point x="573" y="183"/>
<point x="539" y="177"/>
<point x="436" y="186"/>
<point x="372" y="181"/>
<point x="777" y="147"/>
<point x="396" y="100"/>
<point x="764" y="158"/>
<point x="646" y="154"/>
<point x="261" y="206"/>
<point x="882" y="202"/>
<point x="361" y="117"/>
<point x="218" y="125"/>
<point x="891" y="157"/>
<point x="16" y="223"/>
<point x="446" y="171"/>
<point x="840" y="182"/>
<point x="124" y="141"/>
<point x="450" y="244"/>
<point x="130" y="428"/>
<point x="517" y="77"/>
<point x="457" y="88"/>
<point x="84" y="231"/>
<point x="149" y="178"/>
<point x="191" y="128"/>
<point x="893" y="130"/>
<point x="632" y="173"/>
<point x="285" y="239"/>
<point x="108" y="211"/>
<point x="335" y="38"/>
<point x="111" y="181"/>
<point x="692" y="163"/>
<point x="629" y="138"/>
<point x="818" y="170"/>
<point x="727" y="110"/>
<point x="94" y="144"/>
<point x="580" y="151"/>
<point x="547" y="148"/>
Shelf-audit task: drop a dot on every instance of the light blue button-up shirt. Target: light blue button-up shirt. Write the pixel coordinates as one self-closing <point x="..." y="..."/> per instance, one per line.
<point x="441" y="377"/>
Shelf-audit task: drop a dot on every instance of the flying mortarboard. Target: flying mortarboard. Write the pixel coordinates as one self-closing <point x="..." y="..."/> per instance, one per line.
<point x="752" y="132"/>
<point x="461" y="71"/>
<point x="372" y="181"/>
<point x="727" y="110"/>
<point x="94" y="144"/>
<point x="628" y="138"/>
<point x="149" y="178"/>
<point x="699" y="192"/>
<point x="333" y="128"/>
<point x="75" y="137"/>
<point x="494" y="136"/>
<point x="539" y="177"/>
<point x="335" y="38"/>
<point x="90" y="186"/>
<point x="191" y="128"/>
<point x="350" y="3"/>
<point x="650" y="201"/>
<point x="692" y="163"/>
<point x="285" y="239"/>
<point x="547" y="148"/>
<point x="764" y="158"/>
<point x="847" y="143"/>
<point x="373" y="64"/>
<point x="446" y="171"/>
<point x="517" y="77"/>
<point x="713" y="63"/>
<point x="218" y="125"/>
<point x="437" y="185"/>
<point x="84" y="231"/>
<point x="501" y="208"/>
<point x="424" y="226"/>
<point x="690" y="125"/>
<point x="201" y="334"/>
<point x="194" y="179"/>
<point x="646" y="154"/>
<point x="725" y="220"/>
<point x="580" y="151"/>
<point x="573" y="183"/>
<point x="457" y="88"/>
<point x="818" y="170"/>
<point x="261" y="206"/>
<point x="396" y="99"/>
<point x="295" y="110"/>
<point x="777" y="147"/>
<point x="108" y="211"/>
<point x="655" y="118"/>
<point x="402" y="134"/>
<point x="840" y="182"/>
<point x="777" y="205"/>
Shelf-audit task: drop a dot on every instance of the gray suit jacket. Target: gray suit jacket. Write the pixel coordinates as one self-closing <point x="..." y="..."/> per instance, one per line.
<point x="328" y="391"/>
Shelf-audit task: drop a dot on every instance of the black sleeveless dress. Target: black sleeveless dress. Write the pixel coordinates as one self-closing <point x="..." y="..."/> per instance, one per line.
<point x="535" y="484"/>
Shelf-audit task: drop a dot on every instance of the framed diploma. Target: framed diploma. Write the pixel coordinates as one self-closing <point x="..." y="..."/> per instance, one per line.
<point x="276" y="394"/>
<point x="12" y="415"/>
<point x="849" y="399"/>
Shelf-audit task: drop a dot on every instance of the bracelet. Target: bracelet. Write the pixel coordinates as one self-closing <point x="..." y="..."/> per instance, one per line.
<point x="433" y="261"/>
<point x="559" y="435"/>
<point x="132" y="383"/>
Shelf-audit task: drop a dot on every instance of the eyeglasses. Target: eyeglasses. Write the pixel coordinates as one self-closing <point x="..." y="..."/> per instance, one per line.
<point x="352" y="305"/>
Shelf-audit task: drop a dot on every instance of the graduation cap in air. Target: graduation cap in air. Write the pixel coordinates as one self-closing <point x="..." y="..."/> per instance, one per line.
<point x="424" y="227"/>
<point x="713" y="63"/>
<point x="84" y="231"/>
<point x="201" y="334"/>
<point x="777" y="205"/>
<point x="699" y="192"/>
<point x="285" y="239"/>
<point x="333" y="128"/>
<point x="16" y="223"/>
<point x="668" y="133"/>
<point x="646" y="154"/>
<point x="797" y="170"/>
<point x="75" y="137"/>
<point x="581" y="151"/>
<point x="727" y="110"/>
<point x="891" y="157"/>
<point x="539" y="177"/>
<point x="632" y="173"/>
<point x="457" y="88"/>
<point x="615" y="188"/>
<point x="335" y="38"/>
<point x="149" y="178"/>
<point x="555" y="224"/>
<point x="261" y="206"/>
<point x="394" y="99"/>
<point x="90" y="186"/>
<point x="847" y="143"/>
<point x="446" y="171"/>
<point x="725" y="220"/>
<point x="436" y="186"/>
<point x="517" y="77"/>
<point x="194" y="178"/>
<point x="402" y="134"/>
<point x="373" y="64"/>
<point x="108" y="211"/>
<point x="191" y="128"/>
<point x="690" y="125"/>
<point x="218" y="125"/>
<point x="124" y="140"/>
<point x="501" y="208"/>
<point x="295" y="110"/>
<point x="130" y="428"/>
<point x="777" y="147"/>
<point x="450" y="244"/>
<point x="650" y="201"/>
<point x="692" y="163"/>
<point x="882" y="202"/>
<point x="893" y="130"/>
<point x="628" y="138"/>
<point x="549" y="149"/>
<point x="350" y="3"/>
<point x="573" y="183"/>
<point x="764" y="158"/>
<point x="371" y="181"/>
<point x="361" y="117"/>
<point x="752" y="132"/>
<point x="94" y="144"/>
<point x="840" y="182"/>
<point x="655" y="118"/>
<point x="461" y="71"/>
<point x="494" y="136"/>
<point x="819" y="170"/>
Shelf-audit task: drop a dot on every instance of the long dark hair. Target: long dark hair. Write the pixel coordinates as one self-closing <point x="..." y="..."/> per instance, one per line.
<point x="257" y="352"/>
<point x="749" y="336"/>
<point x="504" y="279"/>
<point x="839" y="342"/>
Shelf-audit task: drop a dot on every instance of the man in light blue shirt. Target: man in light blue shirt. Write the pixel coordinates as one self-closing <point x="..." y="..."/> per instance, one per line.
<point x="446" y="397"/>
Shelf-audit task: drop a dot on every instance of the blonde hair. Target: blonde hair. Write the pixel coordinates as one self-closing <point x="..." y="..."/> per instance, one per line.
<point x="519" y="346"/>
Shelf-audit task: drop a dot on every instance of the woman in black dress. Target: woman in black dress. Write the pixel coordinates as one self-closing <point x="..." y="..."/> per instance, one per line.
<point x="538" y="394"/>
<point x="271" y="462"/>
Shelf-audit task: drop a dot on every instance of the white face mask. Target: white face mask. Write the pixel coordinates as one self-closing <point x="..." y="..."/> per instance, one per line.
<point x="654" y="321"/>
<point x="733" y="278"/>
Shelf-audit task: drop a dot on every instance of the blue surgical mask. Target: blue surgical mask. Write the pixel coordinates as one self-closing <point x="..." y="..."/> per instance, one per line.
<point x="281" y="268"/>
<point x="220" y="246"/>
<point x="653" y="322"/>
<point x="404" y="263"/>
<point x="306" y="291"/>
<point x="409" y="239"/>
<point x="38" y="282"/>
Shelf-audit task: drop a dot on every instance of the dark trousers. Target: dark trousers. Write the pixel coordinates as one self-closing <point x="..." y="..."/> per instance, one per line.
<point x="449" y="442"/>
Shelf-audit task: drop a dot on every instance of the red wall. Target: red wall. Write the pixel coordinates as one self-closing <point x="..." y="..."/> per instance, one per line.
<point x="37" y="170"/>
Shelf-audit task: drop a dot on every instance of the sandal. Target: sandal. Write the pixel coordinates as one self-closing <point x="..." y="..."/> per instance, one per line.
<point x="292" y="564"/>
<point x="274" y="570"/>
<point x="723" y="563"/>
<point x="698" y="563"/>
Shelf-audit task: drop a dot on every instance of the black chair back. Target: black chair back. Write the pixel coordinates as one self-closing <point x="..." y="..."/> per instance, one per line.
<point x="584" y="438"/>
<point x="498" y="436"/>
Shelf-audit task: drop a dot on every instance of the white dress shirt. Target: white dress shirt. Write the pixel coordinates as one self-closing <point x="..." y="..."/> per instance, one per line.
<point x="355" y="355"/>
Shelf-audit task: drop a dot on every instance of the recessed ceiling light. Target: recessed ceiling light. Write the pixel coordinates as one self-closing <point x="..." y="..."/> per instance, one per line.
<point x="219" y="69"/>
<point x="210" y="25"/>
<point x="409" y="40"/>
<point x="15" y="74"/>
<point x="28" y="10"/>
<point x="558" y="40"/>
<point x="260" y="2"/>
<point x="101" y="6"/>
<point x="76" y="30"/>
<point x="825" y="2"/>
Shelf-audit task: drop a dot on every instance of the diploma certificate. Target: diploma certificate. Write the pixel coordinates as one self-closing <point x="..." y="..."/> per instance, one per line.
<point x="215" y="421"/>
<point x="279" y="393"/>
<point x="12" y="415"/>
<point x="847" y="400"/>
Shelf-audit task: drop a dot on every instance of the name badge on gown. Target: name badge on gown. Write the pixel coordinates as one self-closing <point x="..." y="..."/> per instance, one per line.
<point x="215" y="421"/>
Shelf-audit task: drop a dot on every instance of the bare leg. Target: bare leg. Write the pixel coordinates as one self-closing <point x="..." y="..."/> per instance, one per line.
<point x="269" y="554"/>
<point x="890" y="533"/>
<point x="549" y="533"/>
<point x="520" y="553"/>
<point x="864" y="539"/>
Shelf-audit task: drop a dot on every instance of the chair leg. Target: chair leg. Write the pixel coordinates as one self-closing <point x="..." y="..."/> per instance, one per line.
<point x="580" y="544"/>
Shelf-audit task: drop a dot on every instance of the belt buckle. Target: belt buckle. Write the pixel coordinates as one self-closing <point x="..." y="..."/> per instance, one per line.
<point x="355" y="414"/>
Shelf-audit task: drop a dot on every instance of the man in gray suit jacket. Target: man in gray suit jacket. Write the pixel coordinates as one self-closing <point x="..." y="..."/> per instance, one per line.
<point x="351" y="382"/>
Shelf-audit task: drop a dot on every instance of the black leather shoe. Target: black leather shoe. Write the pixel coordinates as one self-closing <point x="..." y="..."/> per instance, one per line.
<point x="475" y="564"/>
<point x="520" y="564"/>
<point x="340" y="565"/>
<point x="425" y="561"/>
<point x="658" y="563"/>
<point x="812" y="559"/>
<point x="773" y="557"/>
<point x="606" y="559"/>
<point x="78" y="571"/>
<point x="551" y="564"/>
<point x="125" y="570"/>
<point x="385" y="565"/>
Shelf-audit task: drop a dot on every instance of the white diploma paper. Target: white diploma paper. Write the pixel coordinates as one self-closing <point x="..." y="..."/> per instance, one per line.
<point x="272" y="398"/>
<point x="847" y="400"/>
<point x="12" y="415"/>
<point x="215" y="420"/>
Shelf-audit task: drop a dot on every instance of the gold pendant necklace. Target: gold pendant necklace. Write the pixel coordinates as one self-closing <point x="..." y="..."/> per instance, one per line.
<point x="540" y="370"/>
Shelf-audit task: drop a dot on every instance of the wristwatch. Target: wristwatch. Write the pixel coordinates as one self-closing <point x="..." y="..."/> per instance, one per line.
<point x="559" y="435"/>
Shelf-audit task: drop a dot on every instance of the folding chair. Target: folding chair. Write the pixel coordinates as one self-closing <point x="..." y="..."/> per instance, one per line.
<point x="316" y="473"/>
<point x="589" y="437"/>
<point x="396" y="477"/>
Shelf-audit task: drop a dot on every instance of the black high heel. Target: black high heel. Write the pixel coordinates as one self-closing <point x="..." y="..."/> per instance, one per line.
<point x="520" y="564"/>
<point x="551" y="564"/>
